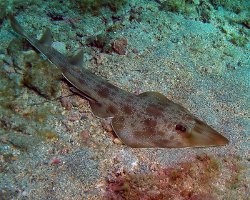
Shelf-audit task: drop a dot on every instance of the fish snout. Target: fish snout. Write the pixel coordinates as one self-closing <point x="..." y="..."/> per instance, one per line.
<point x="203" y="135"/>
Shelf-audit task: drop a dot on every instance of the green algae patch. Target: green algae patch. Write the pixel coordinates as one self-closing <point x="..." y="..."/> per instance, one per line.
<point x="3" y="8"/>
<point x="95" y="6"/>
<point x="238" y="39"/>
<point x="7" y="6"/>
<point x="26" y="118"/>
<point x="207" y="177"/>
<point x="24" y="129"/>
<point x="10" y="86"/>
<point x="179" y="6"/>
<point x="21" y="141"/>
<point x="231" y="5"/>
<point x="8" y="91"/>
<point x="40" y="75"/>
<point x="37" y="74"/>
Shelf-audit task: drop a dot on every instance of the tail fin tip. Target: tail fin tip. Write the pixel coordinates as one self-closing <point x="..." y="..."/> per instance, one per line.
<point x="15" y="25"/>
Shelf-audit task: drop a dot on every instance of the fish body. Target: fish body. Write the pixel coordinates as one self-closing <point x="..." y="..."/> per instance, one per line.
<point x="148" y="120"/>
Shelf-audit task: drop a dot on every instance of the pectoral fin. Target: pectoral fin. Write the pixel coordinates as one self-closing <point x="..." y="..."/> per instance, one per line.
<point x="77" y="59"/>
<point x="46" y="38"/>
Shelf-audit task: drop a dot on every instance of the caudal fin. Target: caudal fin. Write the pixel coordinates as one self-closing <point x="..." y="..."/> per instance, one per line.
<point x="15" y="25"/>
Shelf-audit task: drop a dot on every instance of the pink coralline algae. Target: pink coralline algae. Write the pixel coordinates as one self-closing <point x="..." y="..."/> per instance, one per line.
<point x="205" y="178"/>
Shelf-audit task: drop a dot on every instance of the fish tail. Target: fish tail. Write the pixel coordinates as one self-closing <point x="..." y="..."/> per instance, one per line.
<point x="16" y="26"/>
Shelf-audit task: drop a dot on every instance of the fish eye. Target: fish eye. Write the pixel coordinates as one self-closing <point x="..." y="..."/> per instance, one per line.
<point x="180" y="127"/>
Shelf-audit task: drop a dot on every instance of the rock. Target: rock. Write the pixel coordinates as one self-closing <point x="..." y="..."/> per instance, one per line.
<point x="120" y="46"/>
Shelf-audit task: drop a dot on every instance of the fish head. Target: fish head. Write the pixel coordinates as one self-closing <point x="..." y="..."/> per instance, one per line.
<point x="160" y="123"/>
<point x="198" y="134"/>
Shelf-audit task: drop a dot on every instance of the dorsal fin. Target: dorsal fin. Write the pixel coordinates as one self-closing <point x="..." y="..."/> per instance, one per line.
<point x="153" y="94"/>
<point x="161" y="99"/>
<point x="77" y="59"/>
<point x="46" y="38"/>
<point x="155" y="97"/>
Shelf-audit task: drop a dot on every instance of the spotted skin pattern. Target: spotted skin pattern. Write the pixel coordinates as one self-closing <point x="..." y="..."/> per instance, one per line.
<point x="148" y="120"/>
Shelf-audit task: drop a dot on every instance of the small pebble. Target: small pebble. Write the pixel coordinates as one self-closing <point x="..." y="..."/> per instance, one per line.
<point x="100" y="59"/>
<point x="107" y="126"/>
<point x="120" y="46"/>
<point x="24" y="193"/>
<point x="55" y="161"/>
<point x="64" y="151"/>
<point x="66" y="103"/>
<point x="135" y="51"/>
<point x="84" y="135"/>
<point x="60" y="46"/>
<point x="73" y="117"/>
<point x="117" y="141"/>
<point x="83" y="116"/>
